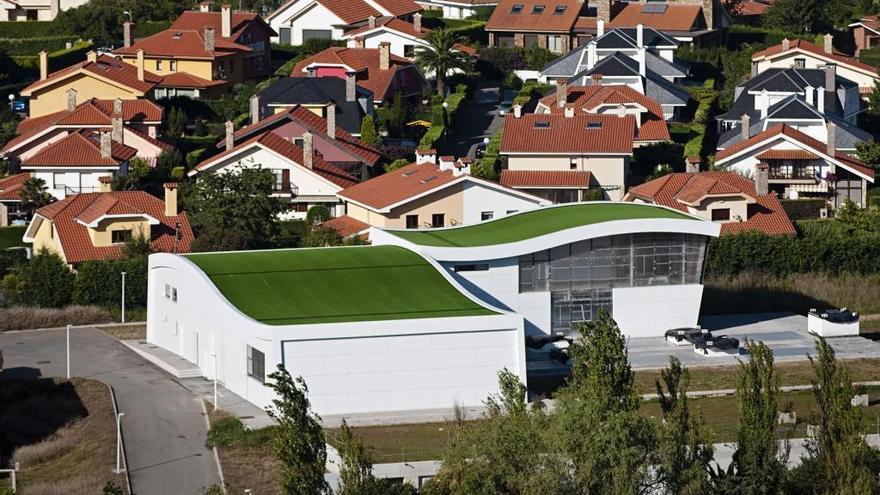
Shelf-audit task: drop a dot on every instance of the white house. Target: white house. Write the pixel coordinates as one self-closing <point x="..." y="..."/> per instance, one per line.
<point x="404" y="37"/>
<point x="297" y="21"/>
<point x="457" y="9"/>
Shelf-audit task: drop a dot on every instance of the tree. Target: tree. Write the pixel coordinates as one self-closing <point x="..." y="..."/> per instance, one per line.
<point x="176" y="122"/>
<point x="758" y="466"/>
<point x="838" y="460"/>
<point x="44" y="281"/>
<point x="684" y="446"/>
<point x="799" y="16"/>
<point x="396" y="164"/>
<point x="600" y="403"/>
<point x="34" y="194"/>
<point x="356" y="473"/>
<point x="869" y="152"/>
<point x="299" y="439"/>
<point x="368" y="131"/>
<point x="440" y="56"/>
<point x="138" y="170"/>
<point x="237" y="205"/>
<point x="317" y="215"/>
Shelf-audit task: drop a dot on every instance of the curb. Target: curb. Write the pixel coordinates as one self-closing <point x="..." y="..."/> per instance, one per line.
<point x="74" y="327"/>
<point x="214" y="448"/>
<point x="122" y="439"/>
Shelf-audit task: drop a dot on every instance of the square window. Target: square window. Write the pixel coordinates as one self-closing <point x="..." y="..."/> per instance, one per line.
<point x="158" y="65"/>
<point x="174" y="294"/>
<point x="412" y="221"/>
<point x="256" y="364"/>
<point x="487" y="215"/>
<point x="172" y="66"/>
<point x="559" y="10"/>
<point x="167" y="291"/>
<point x="118" y="236"/>
<point x="438" y="220"/>
<point x="409" y="51"/>
<point x="721" y="214"/>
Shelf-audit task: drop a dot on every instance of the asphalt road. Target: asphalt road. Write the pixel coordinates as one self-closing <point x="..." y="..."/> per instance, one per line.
<point x="163" y="425"/>
<point x="474" y="122"/>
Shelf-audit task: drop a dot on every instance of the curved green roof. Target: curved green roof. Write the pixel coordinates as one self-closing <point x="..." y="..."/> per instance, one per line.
<point x="536" y="223"/>
<point x="328" y="285"/>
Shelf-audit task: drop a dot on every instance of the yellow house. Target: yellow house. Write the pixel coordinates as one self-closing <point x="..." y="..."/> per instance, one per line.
<point x="100" y="77"/>
<point x="94" y="226"/>
<point x="203" y="51"/>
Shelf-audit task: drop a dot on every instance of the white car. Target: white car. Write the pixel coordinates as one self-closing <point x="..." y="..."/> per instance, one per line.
<point x="504" y="107"/>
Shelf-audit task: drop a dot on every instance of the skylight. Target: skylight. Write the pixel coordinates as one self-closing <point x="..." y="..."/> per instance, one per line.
<point x="594" y="125"/>
<point x="408" y="173"/>
<point x="559" y="10"/>
<point x="657" y="8"/>
<point x="428" y="179"/>
<point x="517" y="8"/>
<point x="538" y="9"/>
<point x="542" y="124"/>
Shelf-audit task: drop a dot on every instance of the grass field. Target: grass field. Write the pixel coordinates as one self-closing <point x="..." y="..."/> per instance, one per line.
<point x="535" y="223"/>
<point x="62" y="433"/>
<point x="11" y="236"/>
<point x="125" y="332"/>
<point x="366" y="283"/>
<point x="246" y="455"/>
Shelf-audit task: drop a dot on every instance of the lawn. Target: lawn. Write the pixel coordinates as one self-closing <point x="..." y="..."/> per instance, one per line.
<point x="125" y="332"/>
<point x="402" y="443"/>
<point x="11" y="236"/>
<point x="246" y="455"/>
<point x="536" y="223"/>
<point x="62" y="433"/>
<point x="365" y="283"/>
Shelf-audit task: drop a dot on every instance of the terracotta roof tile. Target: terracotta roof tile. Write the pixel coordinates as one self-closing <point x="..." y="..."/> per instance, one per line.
<point x="74" y="237"/>
<point x="588" y="98"/>
<point x="346" y="226"/>
<point x="786" y="155"/>
<point x="107" y="205"/>
<point x="365" y="61"/>
<point x="350" y="11"/>
<point x="11" y="186"/>
<point x="699" y="186"/>
<point x="676" y="17"/>
<point x="187" y="80"/>
<point x="106" y="67"/>
<point x="528" y="179"/>
<point x="399" y="185"/>
<point x="506" y="18"/>
<point x="806" y="46"/>
<point x="80" y="149"/>
<point x="766" y="215"/>
<point x="533" y="133"/>
<point x="653" y="129"/>
<point x="399" y="8"/>
<point x="183" y="44"/>
<point x="318" y="125"/>
<point x="752" y="8"/>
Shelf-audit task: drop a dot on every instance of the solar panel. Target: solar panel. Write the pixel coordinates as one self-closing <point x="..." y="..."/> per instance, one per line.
<point x="654" y="8"/>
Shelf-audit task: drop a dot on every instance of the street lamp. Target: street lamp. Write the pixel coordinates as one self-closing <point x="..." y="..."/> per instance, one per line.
<point x="119" y="442"/>
<point x="123" y="297"/>
<point x="125" y="12"/>
<point x="11" y="101"/>
<point x="68" y="352"/>
<point x="445" y="105"/>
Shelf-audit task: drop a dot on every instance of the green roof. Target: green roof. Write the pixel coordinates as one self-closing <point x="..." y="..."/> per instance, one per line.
<point x="328" y="285"/>
<point x="535" y="223"/>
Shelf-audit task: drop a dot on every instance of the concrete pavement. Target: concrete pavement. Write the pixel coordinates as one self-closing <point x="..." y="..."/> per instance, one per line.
<point x="164" y="426"/>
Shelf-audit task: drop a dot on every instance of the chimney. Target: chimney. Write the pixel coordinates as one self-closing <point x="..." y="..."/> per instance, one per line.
<point x="92" y="56"/>
<point x="692" y="164"/>
<point x="745" y="126"/>
<point x="209" y="38"/>
<point x="205" y="7"/>
<point x="600" y="27"/>
<point x="786" y="44"/>
<point x="106" y="145"/>
<point x="709" y="13"/>
<point x="561" y="93"/>
<point x="350" y="86"/>
<point x="765" y="103"/>
<point x="446" y="163"/>
<point x="126" y="34"/>
<point x="230" y="138"/>
<point x="117" y="106"/>
<point x="105" y="183"/>
<point x="331" y="121"/>
<point x="170" y="199"/>
<point x="371" y="21"/>
<point x="642" y="62"/>
<point x="597" y="79"/>
<point x="640" y="35"/>
<point x="831" y="129"/>
<point x="754" y="69"/>
<point x="592" y="56"/>
<point x="44" y="65"/>
<point x="140" y="64"/>
<point x="603" y="9"/>
<point x="517" y="111"/>
<point x="830" y="77"/>
<point x="384" y="55"/>
<point x="226" y="20"/>
<point x="71" y="100"/>
<point x="417" y="22"/>
<point x="308" y="150"/>
<point x="116" y="126"/>
<point x="621" y="110"/>
<point x="829" y="43"/>
<point x="358" y="41"/>
<point x="809" y="96"/>
<point x="426" y="156"/>
<point x="255" y="108"/>
<point x="762" y="179"/>
<point x="568" y="112"/>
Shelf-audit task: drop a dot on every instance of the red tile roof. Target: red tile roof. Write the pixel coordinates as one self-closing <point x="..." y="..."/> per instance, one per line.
<point x="365" y="61"/>
<point x="531" y="179"/>
<point x="614" y="135"/>
<point x="350" y="11"/>
<point x="11" y="186"/>
<point x="752" y="8"/>
<point x="187" y="80"/>
<point x="346" y="226"/>
<point x="399" y="8"/>
<point x="806" y="46"/>
<point x="653" y="129"/>
<point x="318" y="125"/>
<point x="293" y="153"/>
<point x="106" y="67"/>
<point x="503" y="17"/>
<point x="392" y="23"/>
<point x="399" y="185"/>
<point x="80" y="149"/>
<point x="766" y="215"/>
<point x="676" y="17"/>
<point x="786" y="155"/>
<point x="813" y="144"/>
<point x="74" y="236"/>
<point x="107" y="205"/>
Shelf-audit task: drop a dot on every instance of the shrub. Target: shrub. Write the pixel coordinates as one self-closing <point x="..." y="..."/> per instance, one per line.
<point x="11" y="236"/>
<point x="195" y="157"/>
<point x="22" y="317"/>
<point x="317" y="214"/>
<point x="802" y="209"/>
<point x="44" y="281"/>
<point x="99" y="282"/>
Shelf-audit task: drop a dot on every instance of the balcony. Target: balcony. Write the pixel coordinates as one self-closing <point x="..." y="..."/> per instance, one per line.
<point x="285" y="189"/>
<point x="793" y="173"/>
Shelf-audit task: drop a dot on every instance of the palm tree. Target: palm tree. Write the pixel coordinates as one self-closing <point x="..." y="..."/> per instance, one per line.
<point x="440" y="56"/>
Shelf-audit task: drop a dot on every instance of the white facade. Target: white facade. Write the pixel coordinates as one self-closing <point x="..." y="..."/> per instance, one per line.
<point x="35" y="10"/>
<point x="350" y="368"/>
<point x="861" y="76"/>
<point x="294" y="17"/>
<point x="62" y="181"/>
<point x="453" y="10"/>
<point x="402" y="45"/>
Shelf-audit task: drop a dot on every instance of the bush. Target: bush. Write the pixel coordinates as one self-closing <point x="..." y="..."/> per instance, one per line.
<point x="21" y="317"/>
<point x="44" y="281"/>
<point x="31" y="29"/>
<point x="99" y="282"/>
<point x="870" y="56"/>
<point x="802" y="209"/>
<point x="195" y="157"/>
<point x="317" y="214"/>
<point x="33" y="46"/>
<point x="229" y="431"/>
<point x="11" y="236"/>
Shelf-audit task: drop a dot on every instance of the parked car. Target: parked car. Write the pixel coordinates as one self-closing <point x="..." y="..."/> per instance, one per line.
<point x="504" y="107"/>
<point x="481" y="149"/>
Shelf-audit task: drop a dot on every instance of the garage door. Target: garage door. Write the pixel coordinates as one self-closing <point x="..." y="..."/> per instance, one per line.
<point x="317" y="34"/>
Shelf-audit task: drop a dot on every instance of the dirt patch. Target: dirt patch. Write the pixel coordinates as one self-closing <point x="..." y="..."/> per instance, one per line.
<point x="62" y="433"/>
<point x="125" y="332"/>
<point x="246" y="455"/>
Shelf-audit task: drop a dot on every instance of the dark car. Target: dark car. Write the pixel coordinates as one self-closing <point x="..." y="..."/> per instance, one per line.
<point x="481" y="149"/>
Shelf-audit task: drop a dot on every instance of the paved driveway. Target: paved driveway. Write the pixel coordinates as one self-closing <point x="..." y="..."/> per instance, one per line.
<point x="474" y="122"/>
<point x="164" y="426"/>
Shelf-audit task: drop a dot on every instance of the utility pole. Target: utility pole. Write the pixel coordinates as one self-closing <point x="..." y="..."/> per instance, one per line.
<point x="68" y="352"/>
<point x="123" y="297"/>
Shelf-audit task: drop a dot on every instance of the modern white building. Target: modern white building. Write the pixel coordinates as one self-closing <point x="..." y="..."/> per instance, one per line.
<point x="423" y="320"/>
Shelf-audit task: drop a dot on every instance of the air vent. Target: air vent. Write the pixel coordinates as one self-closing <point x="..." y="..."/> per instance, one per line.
<point x="594" y="125"/>
<point x="544" y="124"/>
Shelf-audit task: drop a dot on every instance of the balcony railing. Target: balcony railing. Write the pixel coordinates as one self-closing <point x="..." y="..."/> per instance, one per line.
<point x="285" y="188"/>
<point x="796" y="173"/>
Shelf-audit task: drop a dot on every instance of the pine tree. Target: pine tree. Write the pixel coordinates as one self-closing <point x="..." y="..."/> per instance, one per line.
<point x="368" y="131"/>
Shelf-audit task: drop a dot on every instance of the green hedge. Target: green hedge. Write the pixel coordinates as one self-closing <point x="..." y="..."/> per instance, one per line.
<point x="100" y="282"/>
<point x="823" y="246"/>
<point x="33" y="46"/>
<point x="11" y="236"/>
<point x="489" y="167"/>
<point x="432" y="138"/>
<point x="57" y="59"/>
<point x="871" y="56"/>
<point x="149" y="28"/>
<point x="802" y="209"/>
<point x="740" y="34"/>
<point x="31" y="29"/>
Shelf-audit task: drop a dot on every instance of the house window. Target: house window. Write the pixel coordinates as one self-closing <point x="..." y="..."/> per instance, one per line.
<point x="573" y="164"/>
<point x="174" y="294"/>
<point x="172" y="66"/>
<point x="438" y="220"/>
<point x="559" y="10"/>
<point x="478" y="267"/>
<point x="158" y="65"/>
<point x="412" y="221"/>
<point x="487" y="215"/>
<point x="554" y="43"/>
<point x="530" y="41"/>
<point x="721" y="214"/>
<point x="119" y="236"/>
<point x="59" y="180"/>
<point x="256" y="364"/>
<point x="167" y="291"/>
